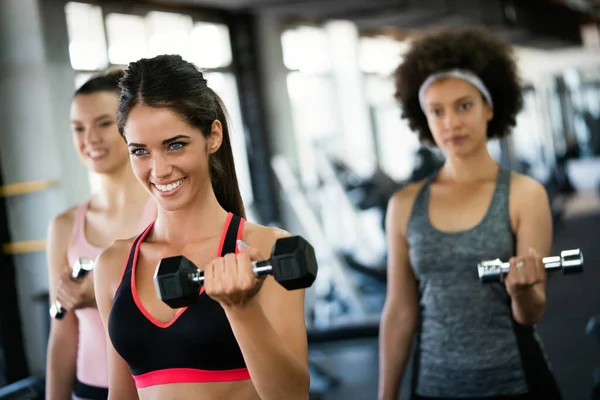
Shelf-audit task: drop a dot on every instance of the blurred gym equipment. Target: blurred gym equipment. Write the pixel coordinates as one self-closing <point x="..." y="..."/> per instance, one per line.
<point x="593" y="329"/>
<point x="336" y="310"/>
<point x="31" y="388"/>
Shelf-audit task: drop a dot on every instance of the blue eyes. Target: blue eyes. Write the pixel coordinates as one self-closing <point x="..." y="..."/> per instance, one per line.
<point x="141" y="151"/>
<point x="138" y="152"/>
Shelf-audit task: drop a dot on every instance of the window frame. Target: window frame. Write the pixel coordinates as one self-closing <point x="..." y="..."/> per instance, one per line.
<point x="197" y="15"/>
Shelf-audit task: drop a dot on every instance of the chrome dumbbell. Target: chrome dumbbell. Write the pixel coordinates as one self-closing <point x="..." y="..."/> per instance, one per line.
<point x="569" y="261"/>
<point x="81" y="268"/>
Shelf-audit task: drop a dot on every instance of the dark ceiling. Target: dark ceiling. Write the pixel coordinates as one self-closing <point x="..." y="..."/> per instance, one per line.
<point x="537" y="23"/>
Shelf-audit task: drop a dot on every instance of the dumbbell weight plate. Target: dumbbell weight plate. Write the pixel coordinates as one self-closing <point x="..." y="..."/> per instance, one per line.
<point x="293" y="265"/>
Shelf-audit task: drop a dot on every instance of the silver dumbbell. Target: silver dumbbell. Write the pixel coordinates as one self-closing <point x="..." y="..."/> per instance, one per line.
<point x="569" y="261"/>
<point x="81" y="268"/>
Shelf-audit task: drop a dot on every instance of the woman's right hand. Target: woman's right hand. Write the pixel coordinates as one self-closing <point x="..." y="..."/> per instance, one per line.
<point x="75" y="294"/>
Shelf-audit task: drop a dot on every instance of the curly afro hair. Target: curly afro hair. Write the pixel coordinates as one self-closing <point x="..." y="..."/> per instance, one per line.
<point x="473" y="49"/>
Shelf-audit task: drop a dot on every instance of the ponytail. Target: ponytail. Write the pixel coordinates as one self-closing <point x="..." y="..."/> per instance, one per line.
<point x="222" y="169"/>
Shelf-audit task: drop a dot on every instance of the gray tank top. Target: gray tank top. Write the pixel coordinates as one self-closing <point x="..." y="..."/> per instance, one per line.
<point x="467" y="345"/>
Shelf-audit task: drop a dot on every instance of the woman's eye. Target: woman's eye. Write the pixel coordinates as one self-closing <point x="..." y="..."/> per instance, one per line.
<point x="106" y="124"/>
<point x="138" y="152"/>
<point x="176" y="146"/>
<point x="466" y="106"/>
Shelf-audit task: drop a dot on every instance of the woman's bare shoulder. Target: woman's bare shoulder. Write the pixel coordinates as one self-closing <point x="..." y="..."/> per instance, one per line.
<point x="262" y="237"/>
<point x="63" y="222"/>
<point x="111" y="261"/>
<point x="400" y="207"/>
<point x="406" y="196"/>
<point x="526" y="186"/>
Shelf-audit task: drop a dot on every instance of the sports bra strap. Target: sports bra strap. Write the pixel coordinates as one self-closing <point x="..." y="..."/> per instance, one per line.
<point x="234" y="232"/>
<point x="134" y="246"/>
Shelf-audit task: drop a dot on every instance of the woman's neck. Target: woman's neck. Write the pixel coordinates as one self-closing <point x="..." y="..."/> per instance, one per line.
<point x="117" y="190"/>
<point x="202" y="219"/>
<point x="472" y="168"/>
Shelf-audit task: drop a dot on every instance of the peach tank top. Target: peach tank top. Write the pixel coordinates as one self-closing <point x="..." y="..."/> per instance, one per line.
<point x="92" y="358"/>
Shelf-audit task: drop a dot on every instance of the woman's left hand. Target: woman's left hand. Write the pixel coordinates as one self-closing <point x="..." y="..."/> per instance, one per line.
<point x="230" y="279"/>
<point x="524" y="273"/>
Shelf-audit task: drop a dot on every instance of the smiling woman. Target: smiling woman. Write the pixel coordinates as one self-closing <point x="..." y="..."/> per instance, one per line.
<point x="178" y="142"/>
<point x="184" y="108"/>
<point x="77" y="363"/>
<point x="167" y="166"/>
<point x="245" y="337"/>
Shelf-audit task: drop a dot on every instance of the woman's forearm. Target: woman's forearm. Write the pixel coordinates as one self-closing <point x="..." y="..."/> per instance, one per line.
<point x="275" y="370"/>
<point x="395" y="344"/>
<point x="528" y="306"/>
<point x="61" y="370"/>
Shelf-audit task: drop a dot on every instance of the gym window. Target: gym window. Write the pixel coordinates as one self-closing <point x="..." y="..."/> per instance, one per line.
<point x="105" y="36"/>
<point x="396" y="144"/>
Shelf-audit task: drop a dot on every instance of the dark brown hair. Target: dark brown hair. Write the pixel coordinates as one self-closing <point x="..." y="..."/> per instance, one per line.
<point x="168" y="81"/>
<point x="473" y="49"/>
<point x="107" y="81"/>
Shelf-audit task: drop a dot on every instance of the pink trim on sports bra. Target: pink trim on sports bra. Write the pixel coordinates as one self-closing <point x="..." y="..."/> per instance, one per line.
<point x="134" y="293"/>
<point x="188" y="375"/>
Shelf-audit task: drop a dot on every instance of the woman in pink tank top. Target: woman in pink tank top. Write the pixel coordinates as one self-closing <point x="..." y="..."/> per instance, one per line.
<point x="77" y="366"/>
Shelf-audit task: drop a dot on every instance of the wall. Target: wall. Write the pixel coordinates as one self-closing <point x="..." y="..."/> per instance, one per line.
<point x="36" y="85"/>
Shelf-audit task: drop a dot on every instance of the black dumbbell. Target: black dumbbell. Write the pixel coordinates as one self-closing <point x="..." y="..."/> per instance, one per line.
<point x="569" y="262"/>
<point x="293" y="264"/>
<point x="81" y="268"/>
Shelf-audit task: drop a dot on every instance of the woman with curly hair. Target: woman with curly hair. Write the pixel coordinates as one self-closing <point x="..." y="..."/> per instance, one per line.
<point x="457" y="89"/>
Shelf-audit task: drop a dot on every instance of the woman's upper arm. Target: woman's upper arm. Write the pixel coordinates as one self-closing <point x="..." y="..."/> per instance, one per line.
<point x="107" y="275"/>
<point x="534" y="224"/>
<point x="57" y="242"/>
<point x="283" y="308"/>
<point x="402" y="289"/>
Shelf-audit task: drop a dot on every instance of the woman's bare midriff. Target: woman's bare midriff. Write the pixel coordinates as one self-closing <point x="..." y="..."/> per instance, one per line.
<point x="237" y="390"/>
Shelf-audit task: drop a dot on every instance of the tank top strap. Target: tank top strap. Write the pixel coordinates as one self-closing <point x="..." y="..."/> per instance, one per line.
<point x="78" y="231"/>
<point x="419" y="212"/>
<point x="503" y="184"/>
<point x="499" y="207"/>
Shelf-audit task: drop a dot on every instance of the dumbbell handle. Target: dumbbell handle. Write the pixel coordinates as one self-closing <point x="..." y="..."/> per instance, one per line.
<point x="569" y="261"/>
<point x="56" y="309"/>
<point x="552" y="263"/>
<point x="82" y="267"/>
<point x="259" y="268"/>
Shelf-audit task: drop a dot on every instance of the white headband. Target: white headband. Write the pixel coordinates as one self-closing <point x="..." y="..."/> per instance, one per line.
<point x="455" y="73"/>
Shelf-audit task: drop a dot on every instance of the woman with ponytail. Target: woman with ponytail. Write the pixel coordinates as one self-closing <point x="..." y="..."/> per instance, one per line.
<point x="245" y="337"/>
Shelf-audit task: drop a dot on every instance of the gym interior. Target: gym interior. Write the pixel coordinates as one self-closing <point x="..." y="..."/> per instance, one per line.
<point x="319" y="147"/>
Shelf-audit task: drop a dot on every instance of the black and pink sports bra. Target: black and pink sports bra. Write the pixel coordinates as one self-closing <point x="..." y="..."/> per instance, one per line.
<point x="197" y="345"/>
